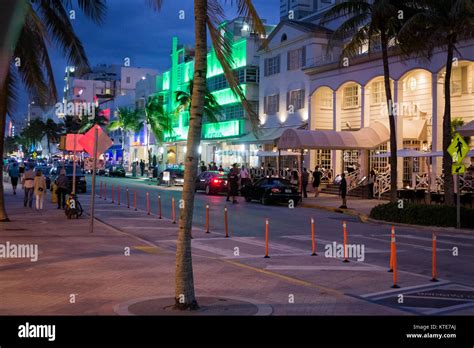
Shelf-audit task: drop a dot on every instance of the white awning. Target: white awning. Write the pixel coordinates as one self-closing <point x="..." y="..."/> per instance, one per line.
<point x="402" y="153"/>
<point x="364" y="139"/>
<point x="467" y="130"/>
<point x="414" y="129"/>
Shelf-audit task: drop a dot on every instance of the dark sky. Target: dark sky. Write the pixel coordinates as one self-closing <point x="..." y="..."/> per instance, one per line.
<point x="133" y="30"/>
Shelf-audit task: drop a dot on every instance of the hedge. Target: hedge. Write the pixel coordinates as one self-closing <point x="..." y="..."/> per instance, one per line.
<point x="419" y="214"/>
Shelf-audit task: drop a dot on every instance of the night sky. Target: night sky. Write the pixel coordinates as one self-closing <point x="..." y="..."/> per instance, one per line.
<point x="134" y="30"/>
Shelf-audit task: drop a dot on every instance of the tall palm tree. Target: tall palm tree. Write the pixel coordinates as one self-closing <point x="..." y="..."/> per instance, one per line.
<point x="127" y="120"/>
<point x="34" y="132"/>
<point x="440" y="24"/>
<point x="208" y="15"/>
<point x="52" y="131"/>
<point x="44" y="22"/>
<point x="370" y="22"/>
<point x="156" y="120"/>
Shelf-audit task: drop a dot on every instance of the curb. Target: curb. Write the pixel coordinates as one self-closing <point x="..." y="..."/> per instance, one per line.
<point x="365" y="219"/>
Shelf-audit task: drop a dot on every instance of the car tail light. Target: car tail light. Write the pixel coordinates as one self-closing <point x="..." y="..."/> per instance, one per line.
<point x="275" y="190"/>
<point x="216" y="181"/>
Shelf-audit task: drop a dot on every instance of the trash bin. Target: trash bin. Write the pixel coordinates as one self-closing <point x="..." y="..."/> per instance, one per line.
<point x="54" y="195"/>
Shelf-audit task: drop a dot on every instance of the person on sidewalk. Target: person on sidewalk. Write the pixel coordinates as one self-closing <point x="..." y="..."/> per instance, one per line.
<point x="134" y="169"/>
<point x="371" y="182"/>
<point x="294" y="178"/>
<point x="14" y="173"/>
<point x="244" y="176"/>
<point x="316" y="180"/>
<point x="233" y="183"/>
<point x="28" y="185"/>
<point x="305" y="182"/>
<point x="39" y="189"/>
<point x="343" y="191"/>
<point x="63" y="188"/>
<point x="142" y="167"/>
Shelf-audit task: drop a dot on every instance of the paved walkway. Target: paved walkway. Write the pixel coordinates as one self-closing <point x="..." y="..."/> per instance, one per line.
<point x="130" y="260"/>
<point x="333" y="202"/>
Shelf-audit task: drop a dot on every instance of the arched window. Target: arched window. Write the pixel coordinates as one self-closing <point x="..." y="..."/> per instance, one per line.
<point x="284" y="37"/>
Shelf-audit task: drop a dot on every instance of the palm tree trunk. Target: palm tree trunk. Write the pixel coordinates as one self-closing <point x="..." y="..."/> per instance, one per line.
<point x="391" y="118"/>
<point x="447" y="160"/>
<point x="184" y="296"/>
<point x="3" y="118"/>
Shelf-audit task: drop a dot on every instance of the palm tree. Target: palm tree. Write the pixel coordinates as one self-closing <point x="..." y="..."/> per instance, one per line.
<point x="52" y="131"/>
<point x="44" y="22"/>
<point x="34" y="132"/>
<point x="88" y="122"/>
<point x="440" y="24"/>
<point x="370" y="22"/>
<point x="127" y="120"/>
<point x="156" y="120"/>
<point x="11" y="145"/>
<point x="208" y="15"/>
<point x="212" y="109"/>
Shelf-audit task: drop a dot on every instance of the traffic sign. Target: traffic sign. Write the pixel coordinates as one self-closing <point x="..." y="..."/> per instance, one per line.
<point x="103" y="141"/>
<point x="458" y="148"/>
<point x="458" y="169"/>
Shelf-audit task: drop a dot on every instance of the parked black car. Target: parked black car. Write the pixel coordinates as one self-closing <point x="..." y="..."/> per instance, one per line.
<point x="212" y="182"/>
<point x="176" y="177"/>
<point x="46" y="172"/>
<point x="115" y="170"/>
<point x="81" y="184"/>
<point x="271" y="190"/>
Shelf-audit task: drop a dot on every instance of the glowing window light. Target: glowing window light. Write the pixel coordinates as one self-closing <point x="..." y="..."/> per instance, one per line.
<point x="166" y="80"/>
<point x="239" y="55"/>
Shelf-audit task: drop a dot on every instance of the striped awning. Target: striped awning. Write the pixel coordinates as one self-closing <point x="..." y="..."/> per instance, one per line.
<point x="363" y="139"/>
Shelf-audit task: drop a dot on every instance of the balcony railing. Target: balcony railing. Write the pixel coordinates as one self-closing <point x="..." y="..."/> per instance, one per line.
<point x="324" y="59"/>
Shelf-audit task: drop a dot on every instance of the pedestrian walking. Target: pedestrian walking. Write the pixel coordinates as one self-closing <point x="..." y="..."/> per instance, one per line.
<point x="343" y="191"/>
<point x="294" y="178"/>
<point x="28" y="185"/>
<point x="39" y="189"/>
<point x="244" y="176"/>
<point x="220" y="168"/>
<point x="305" y="182"/>
<point x="142" y="167"/>
<point x="14" y="173"/>
<point x="203" y="167"/>
<point x="371" y="182"/>
<point x="233" y="183"/>
<point x="63" y="188"/>
<point x="134" y="169"/>
<point x="316" y="180"/>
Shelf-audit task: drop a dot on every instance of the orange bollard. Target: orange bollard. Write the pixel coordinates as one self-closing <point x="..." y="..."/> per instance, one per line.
<point x="266" y="239"/>
<point x="392" y="238"/>
<point x="173" y="212"/>
<point x="100" y="191"/>
<point x="113" y="194"/>
<point x="433" y="260"/>
<point x="147" y="204"/>
<point x="207" y="218"/>
<point x="312" y="238"/>
<point x="159" y="207"/>
<point x="118" y="195"/>
<point x="135" y="200"/>
<point x="105" y="191"/>
<point x="226" y="223"/>
<point x="128" y="197"/>
<point x="394" y="260"/>
<point x="344" y="227"/>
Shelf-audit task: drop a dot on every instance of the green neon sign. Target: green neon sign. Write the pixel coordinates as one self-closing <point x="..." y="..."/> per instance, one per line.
<point x="239" y="56"/>
<point x="166" y="80"/>
<point x="221" y="130"/>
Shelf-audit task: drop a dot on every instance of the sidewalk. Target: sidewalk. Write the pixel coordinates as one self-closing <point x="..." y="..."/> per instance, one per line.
<point x="356" y="206"/>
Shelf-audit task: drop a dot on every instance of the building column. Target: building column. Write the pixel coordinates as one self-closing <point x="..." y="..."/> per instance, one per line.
<point x="362" y="106"/>
<point x="399" y="133"/>
<point x="336" y="125"/>
<point x="436" y="144"/>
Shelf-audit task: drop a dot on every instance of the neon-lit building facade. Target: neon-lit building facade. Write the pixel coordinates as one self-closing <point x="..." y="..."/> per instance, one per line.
<point x="219" y="140"/>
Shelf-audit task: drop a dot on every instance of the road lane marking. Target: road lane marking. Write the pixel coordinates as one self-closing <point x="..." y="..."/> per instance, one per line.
<point x="326" y="268"/>
<point x="441" y="241"/>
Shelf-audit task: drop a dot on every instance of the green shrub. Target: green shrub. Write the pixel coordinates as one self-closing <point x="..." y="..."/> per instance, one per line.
<point x="427" y="215"/>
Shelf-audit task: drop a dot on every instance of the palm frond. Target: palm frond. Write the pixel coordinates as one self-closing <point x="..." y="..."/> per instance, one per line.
<point x="346" y="8"/>
<point x="155" y="4"/>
